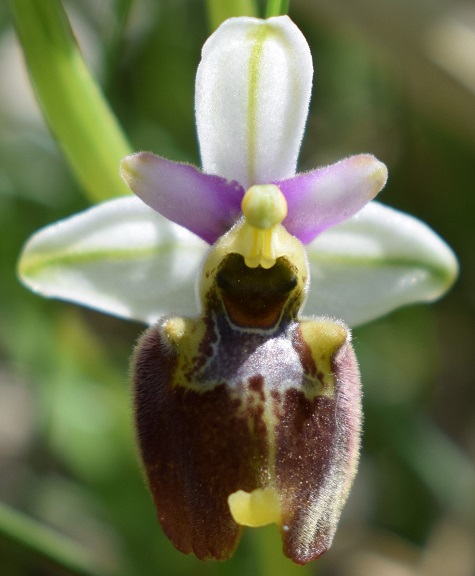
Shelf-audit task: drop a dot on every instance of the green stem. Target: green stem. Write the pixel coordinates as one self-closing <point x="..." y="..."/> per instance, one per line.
<point x="220" y="10"/>
<point x="55" y="547"/>
<point x="72" y="103"/>
<point x="271" y="561"/>
<point x="277" y="8"/>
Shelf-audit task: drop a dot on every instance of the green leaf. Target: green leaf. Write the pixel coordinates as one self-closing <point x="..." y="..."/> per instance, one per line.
<point x="72" y="103"/>
<point x="38" y="538"/>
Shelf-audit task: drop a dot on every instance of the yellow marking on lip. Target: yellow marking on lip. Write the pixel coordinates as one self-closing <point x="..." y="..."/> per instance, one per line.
<point x="324" y="339"/>
<point x="174" y="329"/>
<point x="257" y="508"/>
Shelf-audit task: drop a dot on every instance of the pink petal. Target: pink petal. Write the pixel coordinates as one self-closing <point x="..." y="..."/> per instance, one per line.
<point x="329" y="195"/>
<point x="204" y="204"/>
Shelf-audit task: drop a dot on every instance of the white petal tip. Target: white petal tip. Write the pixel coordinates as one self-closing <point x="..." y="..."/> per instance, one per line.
<point x="380" y="175"/>
<point x="130" y="167"/>
<point x="376" y="171"/>
<point x="447" y="270"/>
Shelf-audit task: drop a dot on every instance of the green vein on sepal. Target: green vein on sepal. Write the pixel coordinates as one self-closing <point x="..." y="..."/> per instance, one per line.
<point x="30" y="264"/>
<point x="446" y="275"/>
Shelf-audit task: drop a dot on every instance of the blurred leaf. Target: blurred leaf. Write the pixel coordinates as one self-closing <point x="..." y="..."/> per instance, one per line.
<point x="277" y="8"/>
<point x="72" y="103"/>
<point x="221" y="10"/>
<point x="38" y="538"/>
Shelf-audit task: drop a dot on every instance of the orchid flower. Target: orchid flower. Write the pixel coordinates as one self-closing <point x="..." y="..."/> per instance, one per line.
<point x="246" y="413"/>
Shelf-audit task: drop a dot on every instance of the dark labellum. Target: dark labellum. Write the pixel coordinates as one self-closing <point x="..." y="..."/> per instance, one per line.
<point x="248" y="399"/>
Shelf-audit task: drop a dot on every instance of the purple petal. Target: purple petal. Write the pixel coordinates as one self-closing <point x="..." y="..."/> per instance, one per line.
<point x="206" y="205"/>
<point x="326" y="196"/>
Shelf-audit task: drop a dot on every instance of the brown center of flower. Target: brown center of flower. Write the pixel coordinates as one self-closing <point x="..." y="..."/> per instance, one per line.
<point x="255" y="297"/>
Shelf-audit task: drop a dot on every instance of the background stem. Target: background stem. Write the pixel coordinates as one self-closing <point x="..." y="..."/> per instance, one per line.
<point x="34" y="536"/>
<point x="72" y="103"/>
<point x="277" y="8"/>
<point x="220" y="10"/>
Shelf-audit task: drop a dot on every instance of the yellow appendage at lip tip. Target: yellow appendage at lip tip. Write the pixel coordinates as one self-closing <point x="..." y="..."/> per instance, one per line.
<point x="264" y="207"/>
<point x="257" y="508"/>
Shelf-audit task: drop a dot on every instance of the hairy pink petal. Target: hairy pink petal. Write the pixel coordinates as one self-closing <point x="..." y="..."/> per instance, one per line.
<point x="206" y="205"/>
<point x="326" y="196"/>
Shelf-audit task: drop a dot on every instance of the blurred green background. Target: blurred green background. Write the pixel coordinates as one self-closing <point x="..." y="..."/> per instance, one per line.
<point x="394" y="78"/>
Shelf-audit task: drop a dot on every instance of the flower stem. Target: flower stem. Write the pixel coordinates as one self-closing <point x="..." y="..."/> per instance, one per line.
<point x="34" y="536"/>
<point x="271" y="561"/>
<point x="72" y="103"/>
<point x="277" y="8"/>
<point x="220" y="10"/>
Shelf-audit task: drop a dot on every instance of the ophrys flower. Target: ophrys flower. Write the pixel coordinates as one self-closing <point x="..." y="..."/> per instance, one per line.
<point x="246" y="413"/>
